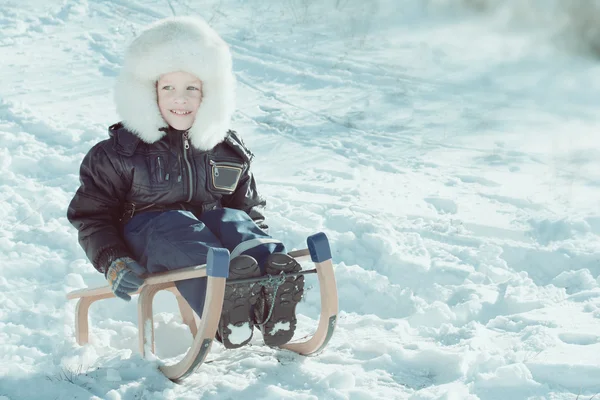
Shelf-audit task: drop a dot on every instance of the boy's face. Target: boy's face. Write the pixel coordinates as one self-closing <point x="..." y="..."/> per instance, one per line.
<point x="179" y="96"/>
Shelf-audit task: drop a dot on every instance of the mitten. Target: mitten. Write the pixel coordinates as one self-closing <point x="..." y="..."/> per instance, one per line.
<point x="123" y="276"/>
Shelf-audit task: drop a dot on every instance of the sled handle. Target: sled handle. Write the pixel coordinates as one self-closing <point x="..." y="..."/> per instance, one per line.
<point x="320" y="253"/>
<point x="217" y="268"/>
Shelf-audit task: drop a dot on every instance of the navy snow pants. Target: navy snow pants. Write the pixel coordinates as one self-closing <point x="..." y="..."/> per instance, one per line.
<point x="168" y="240"/>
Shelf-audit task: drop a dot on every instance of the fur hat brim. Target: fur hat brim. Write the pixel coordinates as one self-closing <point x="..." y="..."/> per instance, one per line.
<point x="177" y="44"/>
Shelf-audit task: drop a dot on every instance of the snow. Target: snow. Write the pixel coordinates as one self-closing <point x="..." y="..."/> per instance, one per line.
<point x="239" y="333"/>
<point x="449" y="149"/>
<point x="280" y="326"/>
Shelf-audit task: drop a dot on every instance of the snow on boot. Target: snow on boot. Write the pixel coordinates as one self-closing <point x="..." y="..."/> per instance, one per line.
<point x="236" y="325"/>
<point x="275" y="311"/>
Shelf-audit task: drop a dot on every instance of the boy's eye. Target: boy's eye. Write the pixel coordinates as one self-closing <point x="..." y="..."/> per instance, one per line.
<point x="170" y="87"/>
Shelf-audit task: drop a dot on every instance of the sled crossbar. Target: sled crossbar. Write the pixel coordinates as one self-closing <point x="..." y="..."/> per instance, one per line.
<point x="203" y="330"/>
<point x="270" y="277"/>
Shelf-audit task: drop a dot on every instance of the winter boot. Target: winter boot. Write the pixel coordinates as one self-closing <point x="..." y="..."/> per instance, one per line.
<point x="275" y="312"/>
<point x="236" y="325"/>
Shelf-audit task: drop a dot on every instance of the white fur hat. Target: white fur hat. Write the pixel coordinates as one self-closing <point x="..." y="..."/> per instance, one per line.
<point x="177" y="44"/>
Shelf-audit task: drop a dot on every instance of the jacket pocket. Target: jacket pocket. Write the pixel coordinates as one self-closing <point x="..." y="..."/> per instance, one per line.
<point x="223" y="175"/>
<point x="152" y="173"/>
<point x="158" y="171"/>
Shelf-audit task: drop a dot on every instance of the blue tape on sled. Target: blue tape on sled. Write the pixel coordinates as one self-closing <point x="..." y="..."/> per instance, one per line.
<point x="318" y="246"/>
<point x="217" y="263"/>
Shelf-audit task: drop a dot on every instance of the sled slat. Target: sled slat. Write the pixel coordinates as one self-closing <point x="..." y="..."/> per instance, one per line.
<point x="300" y="255"/>
<point x="197" y="271"/>
<point x="100" y="291"/>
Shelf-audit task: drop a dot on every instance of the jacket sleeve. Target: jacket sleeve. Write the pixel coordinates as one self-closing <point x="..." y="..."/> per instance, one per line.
<point x="246" y="197"/>
<point x="95" y="209"/>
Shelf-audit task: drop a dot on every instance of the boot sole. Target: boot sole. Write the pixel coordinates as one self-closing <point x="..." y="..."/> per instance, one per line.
<point x="280" y="327"/>
<point x="238" y="302"/>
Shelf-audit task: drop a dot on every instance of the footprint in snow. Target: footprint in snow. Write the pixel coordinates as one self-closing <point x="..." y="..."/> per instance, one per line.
<point x="441" y="205"/>
<point x="582" y="339"/>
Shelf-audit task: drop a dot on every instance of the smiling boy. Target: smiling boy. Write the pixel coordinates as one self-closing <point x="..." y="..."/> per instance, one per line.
<point x="173" y="181"/>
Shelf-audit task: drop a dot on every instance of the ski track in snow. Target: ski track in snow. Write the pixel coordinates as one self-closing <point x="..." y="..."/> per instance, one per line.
<point x="457" y="184"/>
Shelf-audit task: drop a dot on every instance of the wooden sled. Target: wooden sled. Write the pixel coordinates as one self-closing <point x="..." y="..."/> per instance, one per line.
<point x="203" y="331"/>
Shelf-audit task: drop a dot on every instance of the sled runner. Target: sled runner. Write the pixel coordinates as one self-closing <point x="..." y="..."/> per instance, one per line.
<point x="203" y="331"/>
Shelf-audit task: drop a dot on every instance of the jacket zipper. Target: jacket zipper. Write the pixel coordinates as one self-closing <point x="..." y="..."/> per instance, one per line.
<point x="186" y="146"/>
<point x="227" y="164"/>
<point x="131" y="212"/>
<point x="160" y="169"/>
<point x="143" y="208"/>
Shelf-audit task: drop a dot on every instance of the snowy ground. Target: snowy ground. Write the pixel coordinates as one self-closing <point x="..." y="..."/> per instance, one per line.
<point x="450" y="152"/>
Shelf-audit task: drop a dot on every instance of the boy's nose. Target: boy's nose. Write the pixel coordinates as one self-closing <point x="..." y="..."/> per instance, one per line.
<point x="180" y="99"/>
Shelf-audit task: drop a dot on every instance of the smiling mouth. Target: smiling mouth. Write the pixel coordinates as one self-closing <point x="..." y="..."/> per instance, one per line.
<point x="180" y="112"/>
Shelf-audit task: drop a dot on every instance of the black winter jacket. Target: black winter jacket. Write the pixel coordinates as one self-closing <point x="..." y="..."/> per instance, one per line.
<point x="123" y="175"/>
